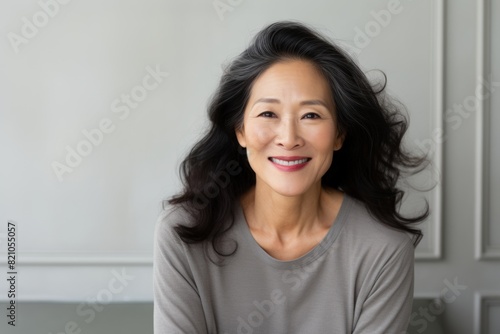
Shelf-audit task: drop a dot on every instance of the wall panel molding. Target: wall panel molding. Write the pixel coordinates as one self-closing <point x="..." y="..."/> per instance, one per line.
<point x="85" y="258"/>
<point x="483" y="302"/>
<point x="434" y="252"/>
<point x="482" y="205"/>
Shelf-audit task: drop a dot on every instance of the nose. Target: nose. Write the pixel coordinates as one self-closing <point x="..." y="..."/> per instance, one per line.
<point x="288" y="136"/>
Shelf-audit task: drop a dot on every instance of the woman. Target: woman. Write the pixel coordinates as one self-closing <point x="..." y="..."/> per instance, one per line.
<point x="288" y="219"/>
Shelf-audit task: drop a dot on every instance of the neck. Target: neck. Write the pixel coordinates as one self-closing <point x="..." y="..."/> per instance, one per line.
<point x="289" y="216"/>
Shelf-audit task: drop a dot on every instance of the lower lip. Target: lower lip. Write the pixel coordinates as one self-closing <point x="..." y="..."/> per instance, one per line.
<point x="291" y="168"/>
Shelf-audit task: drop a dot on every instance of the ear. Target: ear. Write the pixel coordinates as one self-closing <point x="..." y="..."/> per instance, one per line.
<point x="240" y="136"/>
<point x="339" y="141"/>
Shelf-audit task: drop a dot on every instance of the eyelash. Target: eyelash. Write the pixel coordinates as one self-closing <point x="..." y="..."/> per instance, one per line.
<point x="313" y="114"/>
<point x="270" y="114"/>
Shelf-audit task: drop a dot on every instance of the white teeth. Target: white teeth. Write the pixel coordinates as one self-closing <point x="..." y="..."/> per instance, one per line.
<point x="288" y="163"/>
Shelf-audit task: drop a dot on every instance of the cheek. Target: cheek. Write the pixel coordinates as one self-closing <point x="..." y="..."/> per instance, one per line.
<point x="323" y="138"/>
<point x="259" y="136"/>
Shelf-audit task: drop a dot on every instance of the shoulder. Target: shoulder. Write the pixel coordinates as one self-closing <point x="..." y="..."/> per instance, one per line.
<point x="368" y="235"/>
<point x="168" y="218"/>
<point x="169" y="249"/>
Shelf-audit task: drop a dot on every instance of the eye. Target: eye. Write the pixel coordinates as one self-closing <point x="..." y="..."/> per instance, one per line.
<point x="267" y="114"/>
<point x="311" y="115"/>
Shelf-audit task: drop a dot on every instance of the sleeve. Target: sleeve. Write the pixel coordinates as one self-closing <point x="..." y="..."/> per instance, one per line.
<point x="177" y="305"/>
<point x="387" y="308"/>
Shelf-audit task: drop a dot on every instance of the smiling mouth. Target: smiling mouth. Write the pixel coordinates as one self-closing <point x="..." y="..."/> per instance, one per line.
<point x="289" y="162"/>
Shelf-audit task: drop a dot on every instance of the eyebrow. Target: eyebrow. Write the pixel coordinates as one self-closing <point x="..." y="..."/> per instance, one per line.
<point x="303" y="103"/>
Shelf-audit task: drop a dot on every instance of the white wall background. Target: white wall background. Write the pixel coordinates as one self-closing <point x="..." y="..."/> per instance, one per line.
<point x="67" y="68"/>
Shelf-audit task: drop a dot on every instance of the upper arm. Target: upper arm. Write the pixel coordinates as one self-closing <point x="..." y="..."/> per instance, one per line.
<point x="388" y="307"/>
<point x="177" y="305"/>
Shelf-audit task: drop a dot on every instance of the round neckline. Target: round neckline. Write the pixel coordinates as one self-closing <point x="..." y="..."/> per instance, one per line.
<point x="306" y="258"/>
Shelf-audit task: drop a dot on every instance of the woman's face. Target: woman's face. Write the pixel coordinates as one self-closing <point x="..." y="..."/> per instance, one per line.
<point x="289" y="127"/>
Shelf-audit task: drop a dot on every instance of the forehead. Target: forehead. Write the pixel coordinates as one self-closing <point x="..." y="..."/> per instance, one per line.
<point x="292" y="79"/>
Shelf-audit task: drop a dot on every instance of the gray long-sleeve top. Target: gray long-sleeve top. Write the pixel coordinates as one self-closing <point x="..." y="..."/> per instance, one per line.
<point x="358" y="279"/>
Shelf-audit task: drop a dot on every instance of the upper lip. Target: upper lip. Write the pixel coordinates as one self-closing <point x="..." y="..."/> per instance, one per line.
<point x="291" y="158"/>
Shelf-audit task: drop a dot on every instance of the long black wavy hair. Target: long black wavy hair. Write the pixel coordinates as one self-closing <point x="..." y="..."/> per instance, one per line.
<point x="372" y="159"/>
